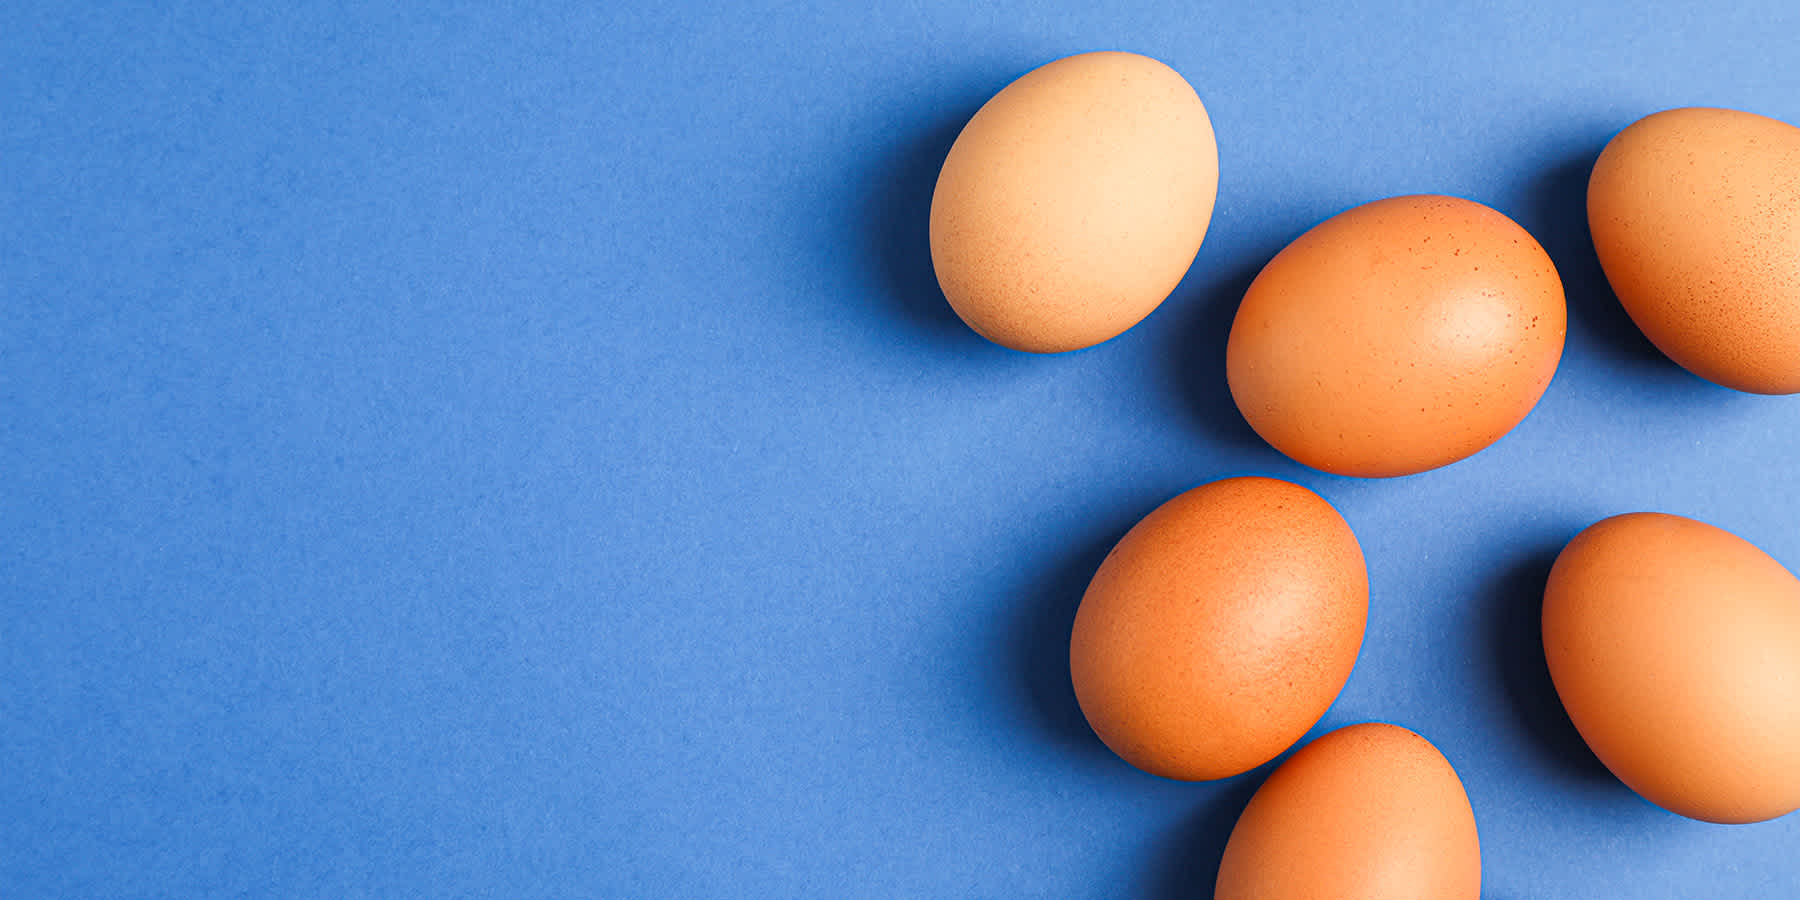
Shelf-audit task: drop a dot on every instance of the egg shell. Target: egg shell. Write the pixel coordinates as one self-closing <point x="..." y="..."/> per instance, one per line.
<point x="1367" y="812"/>
<point x="1695" y="215"/>
<point x="1074" y="201"/>
<point x="1220" y="628"/>
<point x="1398" y="336"/>
<point x="1675" y="647"/>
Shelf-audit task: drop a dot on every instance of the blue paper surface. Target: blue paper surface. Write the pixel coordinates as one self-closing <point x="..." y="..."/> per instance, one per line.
<point x="519" y="450"/>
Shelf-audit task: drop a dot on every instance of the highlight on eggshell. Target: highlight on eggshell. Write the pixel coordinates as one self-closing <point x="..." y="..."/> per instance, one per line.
<point x="1220" y="628"/>
<point x="1695" y="215"/>
<point x="1367" y="812"/>
<point x="1074" y="201"/>
<point x="1675" y="647"/>
<point x="1398" y="336"/>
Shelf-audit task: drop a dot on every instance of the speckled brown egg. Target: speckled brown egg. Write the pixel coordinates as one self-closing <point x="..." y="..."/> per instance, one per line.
<point x="1675" y="647"/>
<point x="1220" y="628"/>
<point x="1397" y="337"/>
<point x="1074" y="201"/>
<point x="1696" y="218"/>
<point x="1368" y="812"/>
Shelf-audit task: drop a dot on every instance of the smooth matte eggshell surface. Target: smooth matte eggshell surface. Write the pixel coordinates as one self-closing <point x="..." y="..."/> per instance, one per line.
<point x="1398" y="336"/>
<point x="1675" y="647"/>
<point x="1220" y="628"/>
<point x="1367" y="812"/>
<point x="1696" y="218"/>
<point x="1074" y="201"/>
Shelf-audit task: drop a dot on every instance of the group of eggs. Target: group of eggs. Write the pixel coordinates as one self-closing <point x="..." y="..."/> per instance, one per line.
<point x="1393" y="338"/>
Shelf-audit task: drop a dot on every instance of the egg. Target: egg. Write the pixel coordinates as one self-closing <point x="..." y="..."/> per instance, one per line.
<point x="1367" y="812"/>
<point x="1220" y="628"/>
<point x="1074" y="201"/>
<point x="1396" y="337"/>
<point x="1695" y="215"/>
<point x="1675" y="647"/>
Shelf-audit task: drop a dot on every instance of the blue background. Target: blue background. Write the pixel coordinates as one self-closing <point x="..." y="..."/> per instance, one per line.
<point x="521" y="451"/>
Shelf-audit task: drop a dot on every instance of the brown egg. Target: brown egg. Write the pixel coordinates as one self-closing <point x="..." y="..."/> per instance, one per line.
<point x="1696" y="218"/>
<point x="1368" y="812"/>
<point x="1220" y="628"/>
<point x="1396" y="337"/>
<point x="1074" y="201"/>
<point x="1675" y="647"/>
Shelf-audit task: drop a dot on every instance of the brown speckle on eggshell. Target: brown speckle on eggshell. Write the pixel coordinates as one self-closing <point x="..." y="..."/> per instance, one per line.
<point x="1367" y="812"/>
<point x="1695" y="215"/>
<point x="1398" y="336"/>
<point x="1220" y="628"/>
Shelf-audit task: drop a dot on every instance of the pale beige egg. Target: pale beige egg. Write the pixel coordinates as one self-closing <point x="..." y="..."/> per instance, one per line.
<point x="1074" y="201"/>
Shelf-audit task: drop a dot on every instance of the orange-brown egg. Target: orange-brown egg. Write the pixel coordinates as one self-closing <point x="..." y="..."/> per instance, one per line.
<point x="1398" y="336"/>
<point x="1368" y="812"/>
<point x="1696" y="218"/>
<point x="1675" y="647"/>
<point x="1074" y="201"/>
<point x="1220" y="628"/>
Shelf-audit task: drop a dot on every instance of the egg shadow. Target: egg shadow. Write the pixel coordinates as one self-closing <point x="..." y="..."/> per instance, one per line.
<point x="1197" y="357"/>
<point x="1556" y="214"/>
<point x="1514" y="604"/>
<point x="897" y="228"/>
<point x="1039" y="639"/>
<point x="1186" y="860"/>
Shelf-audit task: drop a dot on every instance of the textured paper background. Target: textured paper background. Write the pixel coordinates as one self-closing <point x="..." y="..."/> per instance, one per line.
<point x="519" y="450"/>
